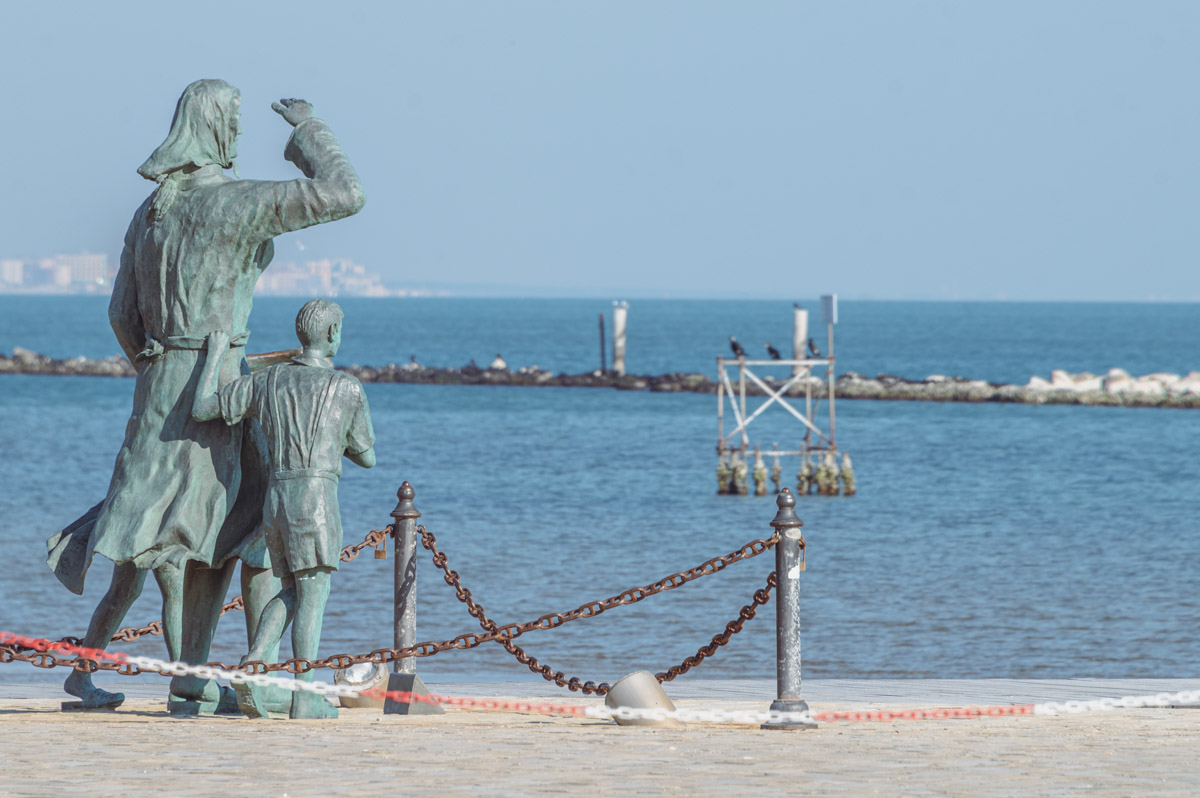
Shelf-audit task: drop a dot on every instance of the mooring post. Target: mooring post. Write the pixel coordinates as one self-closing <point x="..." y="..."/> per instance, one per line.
<point x="799" y="337"/>
<point x="603" y="357"/>
<point x="404" y="678"/>
<point x="829" y="315"/>
<point x="620" y="311"/>
<point x="787" y="615"/>
<point x="405" y="581"/>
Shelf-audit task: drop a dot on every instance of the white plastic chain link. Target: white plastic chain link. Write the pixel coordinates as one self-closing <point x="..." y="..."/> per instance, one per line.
<point x="241" y="677"/>
<point x="1180" y="699"/>
<point x="740" y="717"/>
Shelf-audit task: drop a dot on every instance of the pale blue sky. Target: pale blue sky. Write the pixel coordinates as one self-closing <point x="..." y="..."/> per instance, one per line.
<point x="975" y="150"/>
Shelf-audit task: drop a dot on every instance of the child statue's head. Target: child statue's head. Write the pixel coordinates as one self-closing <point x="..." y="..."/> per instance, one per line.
<point x="319" y="326"/>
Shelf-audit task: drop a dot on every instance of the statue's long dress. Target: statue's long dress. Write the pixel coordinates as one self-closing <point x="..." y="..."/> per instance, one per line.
<point x="174" y="494"/>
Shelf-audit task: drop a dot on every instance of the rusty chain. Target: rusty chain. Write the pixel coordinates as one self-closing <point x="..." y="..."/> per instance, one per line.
<point x="761" y="597"/>
<point x="492" y="631"/>
<point x="594" y="608"/>
<point x="374" y="538"/>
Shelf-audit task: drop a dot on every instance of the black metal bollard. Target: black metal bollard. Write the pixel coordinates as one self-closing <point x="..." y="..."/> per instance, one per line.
<point x="405" y="581"/>
<point x="787" y="615"/>
<point x="404" y="678"/>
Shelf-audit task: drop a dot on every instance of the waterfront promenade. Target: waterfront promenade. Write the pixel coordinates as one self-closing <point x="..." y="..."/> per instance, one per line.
<point x="139" y="750"/>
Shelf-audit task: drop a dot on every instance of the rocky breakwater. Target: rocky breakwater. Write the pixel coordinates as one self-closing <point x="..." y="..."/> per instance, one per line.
<point x="1116" y="388"/>
<point x="26" y="361"/>
<point x="531" y="376"/>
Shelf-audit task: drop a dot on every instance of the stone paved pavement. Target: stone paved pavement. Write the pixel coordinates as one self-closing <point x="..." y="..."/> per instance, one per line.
<point x="139" y="750"/>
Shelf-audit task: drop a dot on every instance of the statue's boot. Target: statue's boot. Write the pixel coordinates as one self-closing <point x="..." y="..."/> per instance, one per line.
<point x="311" y="706"/>
<point x="228" y="703"/>
<point x="275" y="698"/>
<point x="79" y="684"/>
<point x="250" y="701"/>
<point x="192" y="696"/>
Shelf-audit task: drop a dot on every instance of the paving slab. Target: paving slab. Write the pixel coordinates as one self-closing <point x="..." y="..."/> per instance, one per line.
<point x="140" y="750"/>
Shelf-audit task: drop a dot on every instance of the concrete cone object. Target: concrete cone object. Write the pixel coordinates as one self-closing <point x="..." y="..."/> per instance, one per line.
<point x="640" y="690"/>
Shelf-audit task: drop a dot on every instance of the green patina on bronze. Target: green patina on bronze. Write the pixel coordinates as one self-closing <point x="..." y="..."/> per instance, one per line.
<point x="185" y="501"/>
<point x="311" y="416"/>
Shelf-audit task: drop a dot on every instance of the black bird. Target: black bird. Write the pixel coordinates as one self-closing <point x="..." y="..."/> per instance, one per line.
<point x="774" y="353"/>
<point x="812" y="349"/>
<point x="736" y="347"/>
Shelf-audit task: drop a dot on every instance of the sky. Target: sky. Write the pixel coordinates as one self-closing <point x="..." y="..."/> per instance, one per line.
<point x="898" y="149"/>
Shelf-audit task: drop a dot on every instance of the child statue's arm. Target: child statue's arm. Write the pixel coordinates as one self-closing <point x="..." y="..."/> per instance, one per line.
<point x="360" y="440"/>
<point x="365" y="459"/>
<point x="206" y="406"/>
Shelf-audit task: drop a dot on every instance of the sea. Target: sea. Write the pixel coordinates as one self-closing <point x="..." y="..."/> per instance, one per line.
<point x="986" y="540"/>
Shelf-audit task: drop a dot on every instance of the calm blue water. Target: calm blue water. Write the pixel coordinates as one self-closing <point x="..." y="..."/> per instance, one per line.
<point x="1000" y="342"/>
<point x="987" y="540"/>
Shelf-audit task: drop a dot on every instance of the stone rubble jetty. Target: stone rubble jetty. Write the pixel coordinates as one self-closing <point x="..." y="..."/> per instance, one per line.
<point x="1117" y="388"/>
<point x="26" y="361"/>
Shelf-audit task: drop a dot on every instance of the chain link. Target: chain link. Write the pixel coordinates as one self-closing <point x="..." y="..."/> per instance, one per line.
<point x="594" y="608"/>
<point x="374" y="538"/>
<point x="493" y="632"/>
<point x="761" y="597"/>
<point x="49" y="659"/>
<point x="45" y="656"/>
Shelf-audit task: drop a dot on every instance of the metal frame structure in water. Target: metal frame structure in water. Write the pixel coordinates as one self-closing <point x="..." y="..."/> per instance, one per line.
<point x="801" y="368"/>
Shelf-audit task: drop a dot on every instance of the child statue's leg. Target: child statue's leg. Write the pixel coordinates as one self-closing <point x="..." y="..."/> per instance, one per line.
<point x="265" y="648"/>
<point x="312" y="591"/>
<point x="259" y="586"/>
<point x="126" y="586"/>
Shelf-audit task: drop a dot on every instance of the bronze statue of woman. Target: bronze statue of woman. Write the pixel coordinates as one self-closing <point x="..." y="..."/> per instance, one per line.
<point x="185" y="500"/>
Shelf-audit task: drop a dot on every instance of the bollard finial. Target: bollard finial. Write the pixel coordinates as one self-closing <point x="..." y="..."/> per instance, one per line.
<point x="786" y="518"/>
<point x="405" y="508"/>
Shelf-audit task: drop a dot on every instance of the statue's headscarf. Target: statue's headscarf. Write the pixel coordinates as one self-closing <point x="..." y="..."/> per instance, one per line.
<point x="204" y="131"/>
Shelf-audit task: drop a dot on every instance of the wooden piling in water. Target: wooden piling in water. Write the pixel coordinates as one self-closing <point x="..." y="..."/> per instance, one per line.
<point x="603" y="356"/>
<point x="759" y="474"/>
<point x="799" y="337"/>
<point x="848" y="484"/>
<point x="620" y="311"/>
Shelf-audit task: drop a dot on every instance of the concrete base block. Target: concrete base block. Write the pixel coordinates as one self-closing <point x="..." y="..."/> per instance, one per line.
<point x="409" y="683"/>
<point x="641" y="690"/>
<point x="789" y="705"/>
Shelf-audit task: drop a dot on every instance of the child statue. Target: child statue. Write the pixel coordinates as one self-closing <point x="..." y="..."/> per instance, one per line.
<point x="310" y="415"/>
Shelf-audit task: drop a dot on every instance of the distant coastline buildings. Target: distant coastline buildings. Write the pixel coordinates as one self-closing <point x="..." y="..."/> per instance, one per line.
<point x="327" y="277"/>
<point x="88" y="273"/>
<point x="84" y="273"/>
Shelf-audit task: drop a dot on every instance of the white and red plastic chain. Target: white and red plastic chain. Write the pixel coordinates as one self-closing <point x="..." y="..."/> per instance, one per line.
<point x="750" y="717"/>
